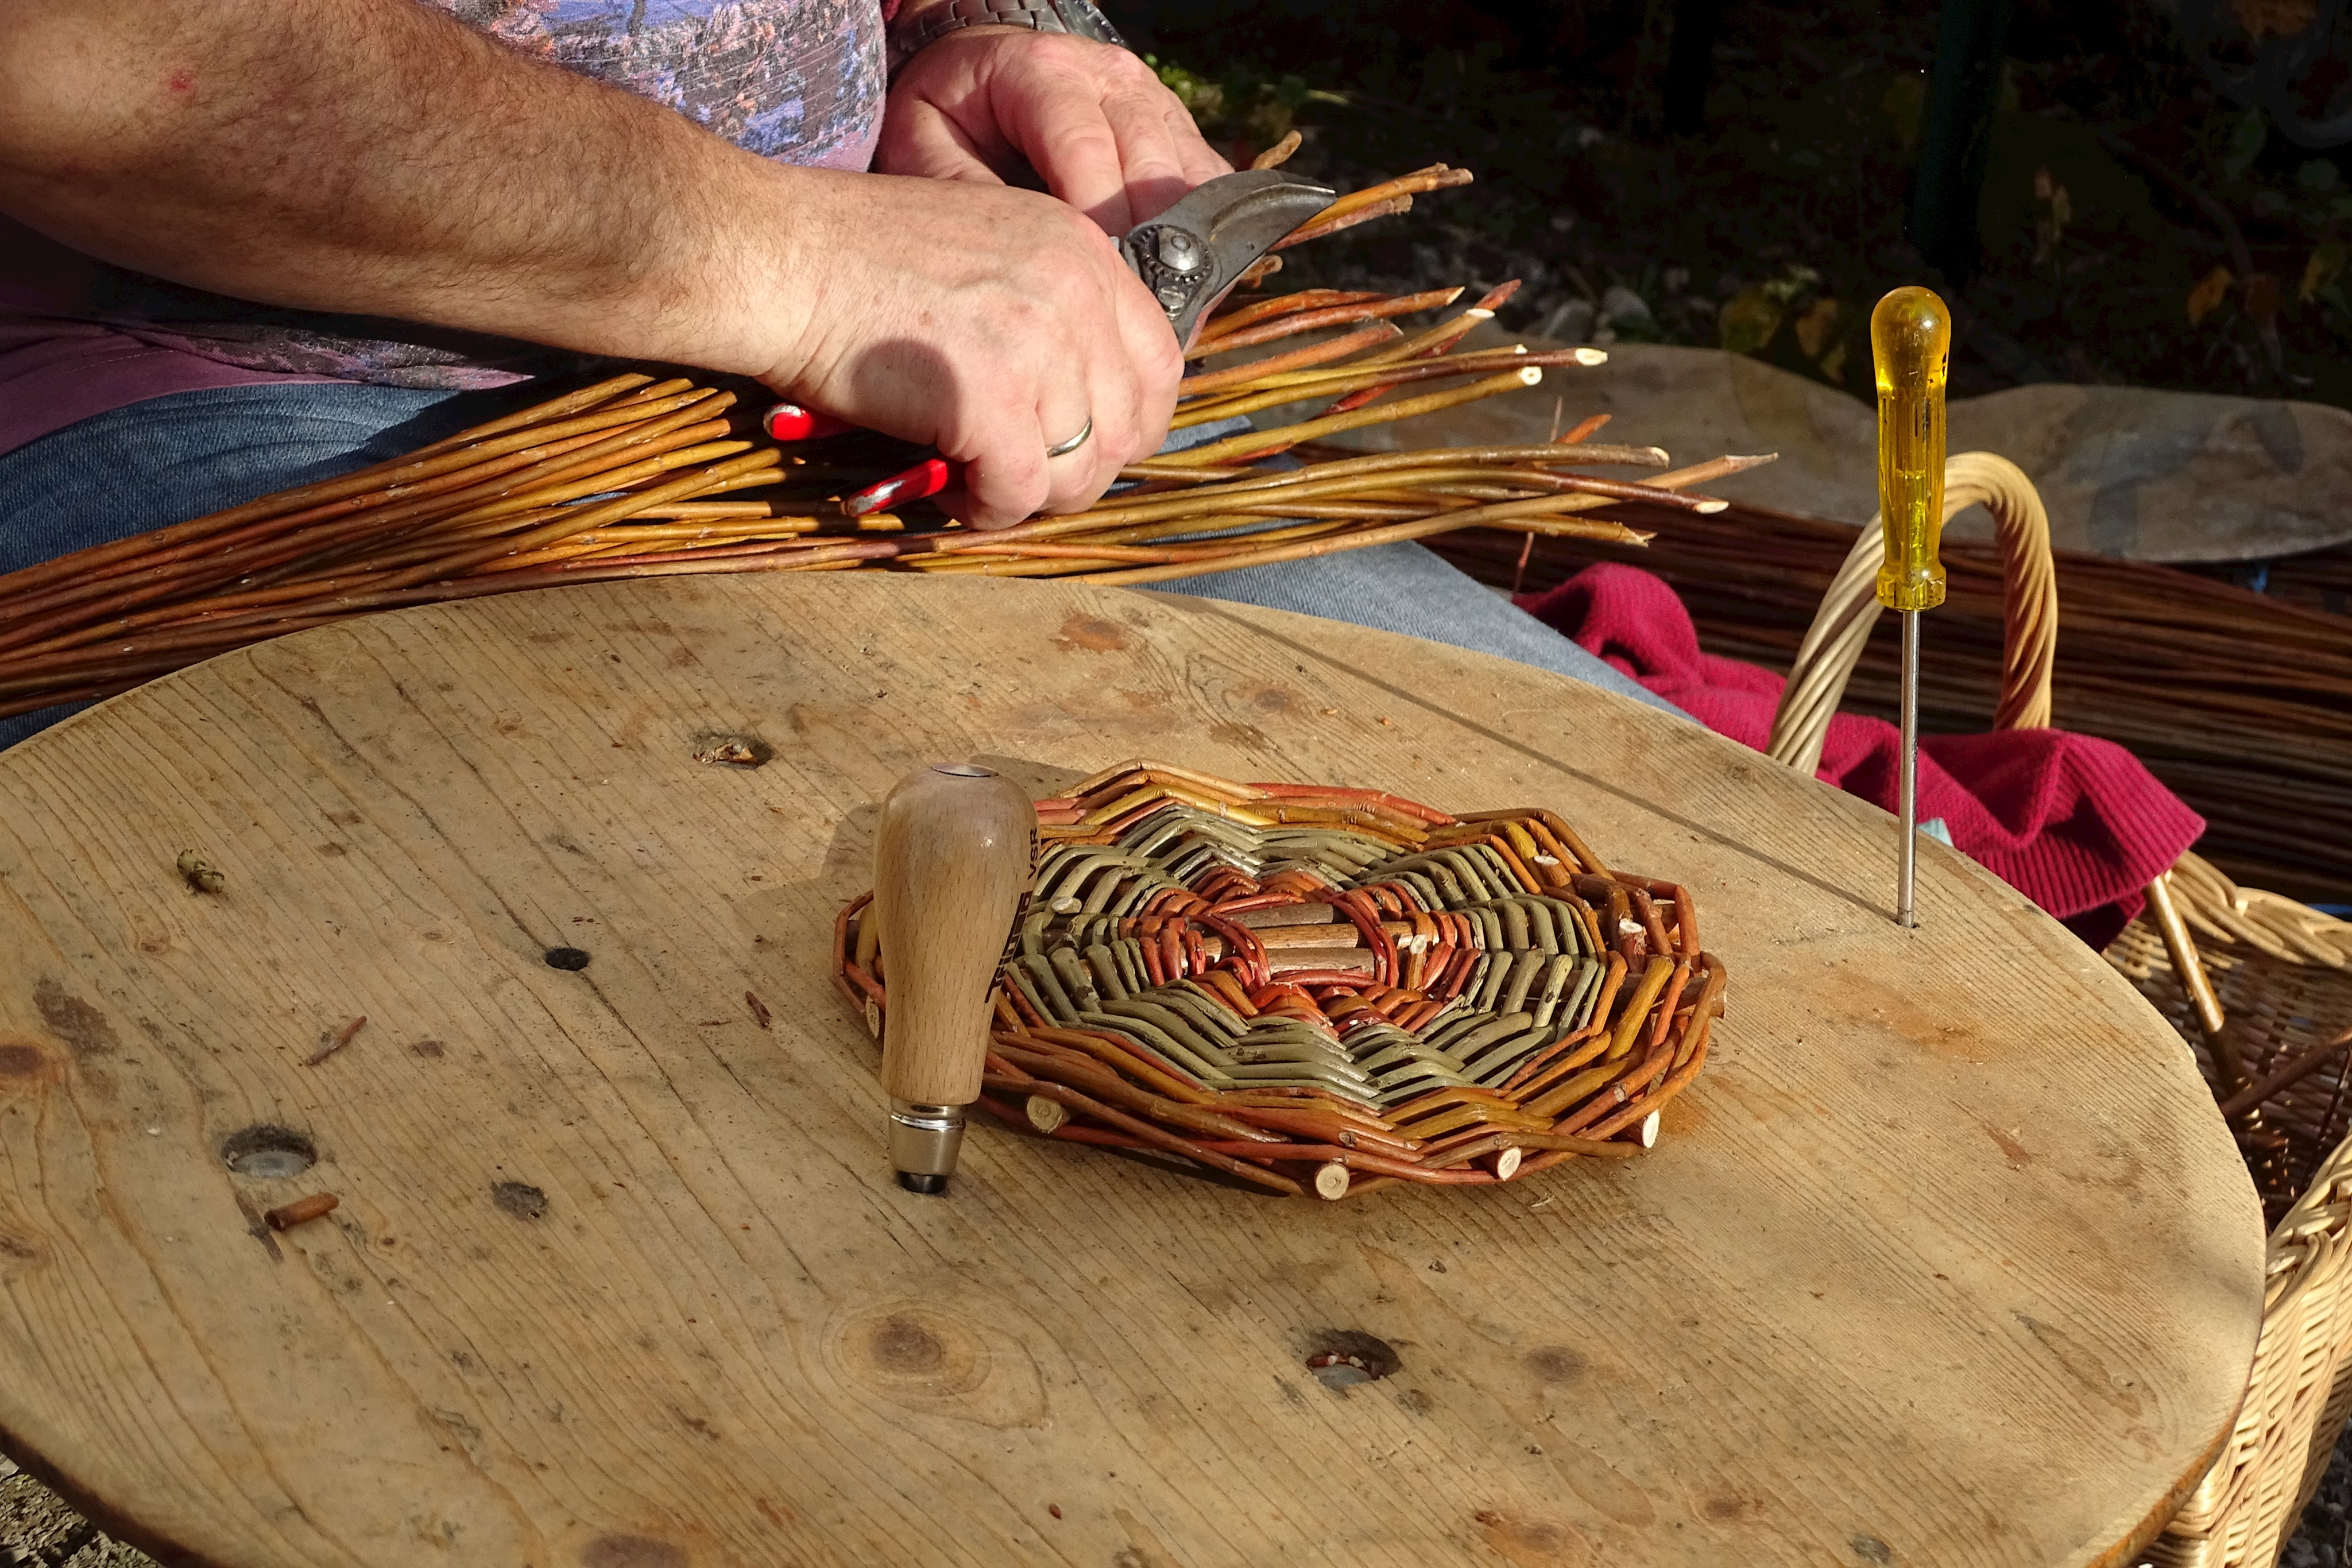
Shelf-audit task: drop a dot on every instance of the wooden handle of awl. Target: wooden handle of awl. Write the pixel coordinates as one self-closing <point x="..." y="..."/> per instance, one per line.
<point x="952" y="859"/>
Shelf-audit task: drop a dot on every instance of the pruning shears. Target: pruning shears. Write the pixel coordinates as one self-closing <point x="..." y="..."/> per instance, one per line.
<point x="1190" y="257"/>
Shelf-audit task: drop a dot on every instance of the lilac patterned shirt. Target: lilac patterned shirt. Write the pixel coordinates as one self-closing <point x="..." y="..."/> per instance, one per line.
<point x="798" y="80"/>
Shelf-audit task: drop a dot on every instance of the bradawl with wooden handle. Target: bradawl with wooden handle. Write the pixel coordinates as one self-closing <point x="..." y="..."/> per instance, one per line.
<point x="952" y="859"/>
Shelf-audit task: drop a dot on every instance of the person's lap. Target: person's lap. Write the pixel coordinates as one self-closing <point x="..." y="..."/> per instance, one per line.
<point x="1405" y="588"/>
<point x="171" y="458"/>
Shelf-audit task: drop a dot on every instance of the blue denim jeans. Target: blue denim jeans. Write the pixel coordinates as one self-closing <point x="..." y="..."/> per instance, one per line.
<point x="1404" y="588"/>
<point x="172" y="458"/>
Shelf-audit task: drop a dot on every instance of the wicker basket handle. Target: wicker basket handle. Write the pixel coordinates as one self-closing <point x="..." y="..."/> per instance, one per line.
<point x="1841" y="629"/>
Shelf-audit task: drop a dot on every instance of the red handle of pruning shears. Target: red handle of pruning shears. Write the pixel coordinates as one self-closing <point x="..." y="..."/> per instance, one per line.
<point x="924" y="480"/>
<point x="791" y="422"/>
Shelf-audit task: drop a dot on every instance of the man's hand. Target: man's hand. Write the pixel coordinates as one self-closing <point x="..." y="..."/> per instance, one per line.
<point x="1092" y="119"/>
<point x="990" y="322"/>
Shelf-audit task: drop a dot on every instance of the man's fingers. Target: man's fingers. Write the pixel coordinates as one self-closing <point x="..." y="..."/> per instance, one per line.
<point x="1095" y="406"/>
<point x="1059" y="124"/>
<point x="1150" y="161"/>
<point x="1012" y="482"/>
<point x="920" y="141"/>
<point x="1156" y="361"/>
<point x="1201" y="162"/>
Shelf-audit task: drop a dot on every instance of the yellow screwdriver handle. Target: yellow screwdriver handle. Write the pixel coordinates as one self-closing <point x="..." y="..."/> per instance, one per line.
<point x="1911" y="342"/>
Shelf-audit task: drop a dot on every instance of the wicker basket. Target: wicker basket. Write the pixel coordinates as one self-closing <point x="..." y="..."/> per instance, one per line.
<point x="2260" y="986"/>
<point x="1307" y="988"/>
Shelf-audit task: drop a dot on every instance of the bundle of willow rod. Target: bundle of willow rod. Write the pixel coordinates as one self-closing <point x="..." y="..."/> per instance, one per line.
<point x="1308" y="987"/>
<point x="2238" y="703"/>
<point x="636" y="477"/>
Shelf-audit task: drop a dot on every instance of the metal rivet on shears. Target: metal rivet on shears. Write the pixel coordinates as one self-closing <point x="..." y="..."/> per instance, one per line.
<point x="1179" y="250"/>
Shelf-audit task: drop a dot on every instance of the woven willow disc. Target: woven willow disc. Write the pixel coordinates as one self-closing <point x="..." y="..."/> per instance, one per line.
<point x="1318" y="989"/>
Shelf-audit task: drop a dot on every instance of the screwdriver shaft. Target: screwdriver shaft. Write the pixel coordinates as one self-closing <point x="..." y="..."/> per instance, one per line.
<point x="1908" y="786"/>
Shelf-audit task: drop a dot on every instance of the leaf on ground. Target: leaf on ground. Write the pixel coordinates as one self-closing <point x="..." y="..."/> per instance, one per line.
<point x="2261" y="18"/>
<point x="1817" y="328"/>
<point x="1748" y="320"/>
<point x="2207" y="295"/>
<point x="2246" y="139"/>
<point x="2327" y="258"/>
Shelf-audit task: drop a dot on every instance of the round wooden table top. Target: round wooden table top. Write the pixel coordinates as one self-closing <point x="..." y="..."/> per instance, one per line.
<point x="1946" y="1258"/>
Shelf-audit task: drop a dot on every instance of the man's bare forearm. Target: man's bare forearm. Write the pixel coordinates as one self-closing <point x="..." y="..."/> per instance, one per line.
<point x="378" y="157"/>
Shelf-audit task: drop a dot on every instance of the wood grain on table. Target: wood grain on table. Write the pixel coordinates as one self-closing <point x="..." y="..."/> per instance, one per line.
<point x="1946" y="1258"/>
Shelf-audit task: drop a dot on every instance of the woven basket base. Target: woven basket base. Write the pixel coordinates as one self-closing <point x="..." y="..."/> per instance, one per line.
<point x="1315" y="988"/>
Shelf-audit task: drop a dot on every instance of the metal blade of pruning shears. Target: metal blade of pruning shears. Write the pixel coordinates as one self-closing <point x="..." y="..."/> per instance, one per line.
<point x="1191" y="255"/>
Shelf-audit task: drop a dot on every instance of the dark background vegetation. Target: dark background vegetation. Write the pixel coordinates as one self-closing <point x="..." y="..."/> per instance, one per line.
<point x="2112" y="167"/>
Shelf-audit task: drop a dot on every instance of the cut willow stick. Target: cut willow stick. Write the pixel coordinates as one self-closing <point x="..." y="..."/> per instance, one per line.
<point x="377" y="475"/>
<point x="1151" y="469"/>
<point x="378" y="485"/>
<point x="1201" y="508"/>
<point x="548" y="510"/>
<point x="684" y="487"/>
<point x="1276" y="156"/>
<point x="1384" y="473"/>
<point x="1373" y="200"/>
<point x="10" y="707"/>
<point x="1396" y="533"/>
<point x="1078" y="560"/>
<point x="1198" y="523"/>
<point x="617" y="392"/>
<point x="664" y="445"/>
<point x="1441" y="339"/>
<point x="1323" y="228"/>
<point x="1390" y="467"/>
<point x="1331" y="348"/>
<point x="254" y="593"/>
<point x="1159" y="469"/>
<point x="1316" y="380"/>
<point x="683" y="511"/>
<point x="586" y="519"/>
<point x="1552" y="507"/>
<point x="260" y="544"/>
<point x="105" y="678"/>
<point x="703" y="442"/>
<point x="1284" y="305"/>
<point x="1314" y="320"/>
<point x="128" y="626"/>
<point x="1259" y="271"/>
<point x="1266" y="443"/>
<point x="722" y="550"/>
<point x="1377" y="379"/>
<point x="638" y="530"/>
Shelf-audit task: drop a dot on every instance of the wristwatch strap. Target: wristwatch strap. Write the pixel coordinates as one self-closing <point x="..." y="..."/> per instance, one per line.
<point x="1082" y="17"/>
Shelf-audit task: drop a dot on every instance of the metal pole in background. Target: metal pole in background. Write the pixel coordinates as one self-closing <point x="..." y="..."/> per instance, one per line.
<point x="1954" y="142"/>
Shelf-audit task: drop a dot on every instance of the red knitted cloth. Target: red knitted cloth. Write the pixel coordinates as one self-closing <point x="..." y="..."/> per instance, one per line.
<point x="2075" y="823"/>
